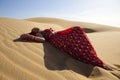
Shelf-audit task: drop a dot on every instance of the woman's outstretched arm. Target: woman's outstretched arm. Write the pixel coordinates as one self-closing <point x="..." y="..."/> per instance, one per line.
<point x="28" y="37"/>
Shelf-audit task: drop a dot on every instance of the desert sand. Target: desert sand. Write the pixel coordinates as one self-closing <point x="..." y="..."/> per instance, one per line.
<point x="42" y="61"/>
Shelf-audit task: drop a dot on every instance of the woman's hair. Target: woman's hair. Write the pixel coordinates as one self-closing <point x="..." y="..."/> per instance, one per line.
<point x="35" y="30"/>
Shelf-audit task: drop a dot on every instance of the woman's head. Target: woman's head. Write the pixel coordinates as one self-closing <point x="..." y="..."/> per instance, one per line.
<point x="35" y="30"/>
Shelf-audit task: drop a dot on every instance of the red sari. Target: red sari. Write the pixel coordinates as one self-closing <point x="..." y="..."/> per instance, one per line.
<point x="75" y="42"/>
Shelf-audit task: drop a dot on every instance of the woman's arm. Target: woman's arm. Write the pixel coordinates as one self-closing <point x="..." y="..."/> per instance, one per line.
<point x="28" y="37"/>
<point x="39" y="39"/>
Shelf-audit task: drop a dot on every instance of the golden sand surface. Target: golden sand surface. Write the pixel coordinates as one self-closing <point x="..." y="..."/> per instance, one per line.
<point x="41" y="61"/>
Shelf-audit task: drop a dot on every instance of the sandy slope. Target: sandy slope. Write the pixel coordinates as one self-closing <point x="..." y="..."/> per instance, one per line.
<point x="37" y="61"/>
<point x="65" y="23"/>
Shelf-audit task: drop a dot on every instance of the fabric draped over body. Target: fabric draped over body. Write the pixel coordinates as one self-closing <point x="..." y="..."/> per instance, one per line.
<point x="75" y="42"/>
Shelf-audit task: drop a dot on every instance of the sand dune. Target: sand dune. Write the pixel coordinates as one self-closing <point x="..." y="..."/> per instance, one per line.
<point x="37" y="61"/>
<point x="89" y="27"/>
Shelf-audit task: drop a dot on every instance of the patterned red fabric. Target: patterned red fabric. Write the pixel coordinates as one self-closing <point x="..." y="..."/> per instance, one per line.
<point x="75" y="42"/>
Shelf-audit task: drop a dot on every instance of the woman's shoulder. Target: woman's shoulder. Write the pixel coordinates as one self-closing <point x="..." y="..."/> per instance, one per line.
<point x="42" y="33"/>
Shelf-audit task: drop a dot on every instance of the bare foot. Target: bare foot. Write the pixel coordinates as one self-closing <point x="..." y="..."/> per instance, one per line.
<point x="107" y="67"/>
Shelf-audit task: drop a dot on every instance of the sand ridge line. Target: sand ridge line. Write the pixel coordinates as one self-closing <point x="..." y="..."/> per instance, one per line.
<point x="24" y="51"/>
<point x="20" y="57"/>
<point x="16" y="68"/>
<point x="31" y="68"/>
<point x="3" y="76"/>
<point x="36" y="70"/>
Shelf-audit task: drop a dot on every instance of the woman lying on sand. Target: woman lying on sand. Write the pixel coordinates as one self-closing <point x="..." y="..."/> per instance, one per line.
<point x="73" y="41"/>
<point x="35" y="35"/>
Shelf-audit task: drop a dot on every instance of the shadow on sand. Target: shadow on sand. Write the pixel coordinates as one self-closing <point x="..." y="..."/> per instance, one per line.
<point x="87" y="30"/>
<point x="55" y="59"/>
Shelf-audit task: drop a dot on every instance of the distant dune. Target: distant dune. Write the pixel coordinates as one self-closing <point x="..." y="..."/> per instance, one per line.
<point x="38" y="61"/>
<point x="66" y="24"/>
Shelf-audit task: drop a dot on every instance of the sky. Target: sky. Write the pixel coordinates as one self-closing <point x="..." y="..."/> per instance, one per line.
<point x="105" y="12"/>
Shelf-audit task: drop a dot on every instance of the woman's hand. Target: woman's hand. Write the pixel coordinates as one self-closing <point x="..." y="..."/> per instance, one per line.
<point x="23" y="36"/>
